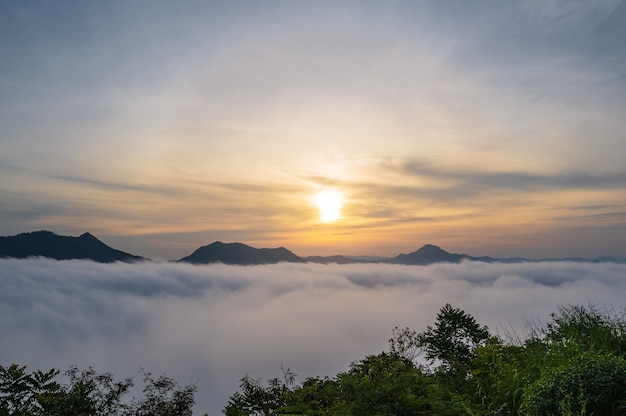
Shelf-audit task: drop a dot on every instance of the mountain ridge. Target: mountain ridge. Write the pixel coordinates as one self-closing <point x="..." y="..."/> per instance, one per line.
<point x="48" y="244"/>
<point x="427" y="254"/>
<point x="240" y="254"/>
<point x="86" y="246"/>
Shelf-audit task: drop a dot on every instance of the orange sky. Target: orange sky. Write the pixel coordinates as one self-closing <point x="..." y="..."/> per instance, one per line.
<point x="486" y="128"/>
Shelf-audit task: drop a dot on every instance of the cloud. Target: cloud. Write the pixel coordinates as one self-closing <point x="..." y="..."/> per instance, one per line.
<point x="475" y="181"/>
<point x="213" y="324"/>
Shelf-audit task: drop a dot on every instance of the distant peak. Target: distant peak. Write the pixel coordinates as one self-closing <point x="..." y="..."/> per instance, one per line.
<point x="431" y="248"/>
<point x="87" y="235"/>
<point x="222" y="244"/>
<point x="217" y="243"/>
<point x="240" y="253"/>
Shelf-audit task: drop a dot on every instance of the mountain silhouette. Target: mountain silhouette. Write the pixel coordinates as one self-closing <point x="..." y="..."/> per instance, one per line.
<point x="49" y="244"/>
<point x="428" y="254"/>
<point x="240" y="254"/>
<point x="88" y="247"/>
<point x="332" y="260"/>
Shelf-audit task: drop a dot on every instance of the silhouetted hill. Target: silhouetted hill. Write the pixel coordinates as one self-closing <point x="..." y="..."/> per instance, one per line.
<point x="427" y="255"/>
<point x="368" y="259"/>
<point x="49" y="244"/>
<point x="331" y="260"/>
<point x="86" y="246"/>
<point x="240" y="254"/>
<point x="430" y="254"/>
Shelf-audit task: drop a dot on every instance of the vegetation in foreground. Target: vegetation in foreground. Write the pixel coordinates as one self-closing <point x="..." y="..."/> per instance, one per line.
<point x="574" y="365"/>
<point x="87" y="393"/>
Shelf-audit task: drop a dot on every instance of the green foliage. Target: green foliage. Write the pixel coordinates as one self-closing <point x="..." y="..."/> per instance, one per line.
<point x="22" y="393"/>
<point x="453" y="339"/>
<point x="589" y="329"/>
<point x="382" y="384"/>
<point x="164" y="397"/>
<point x="574" y="365"/>
<point x="500" y="373"/>
<point x="591" y="384"/>
<point x="385" y="384"/>
<point x="315" y="397"/>
<point x="88" y="393"/>
<point x="389" y="383"/>
<point x="256" y="399"/>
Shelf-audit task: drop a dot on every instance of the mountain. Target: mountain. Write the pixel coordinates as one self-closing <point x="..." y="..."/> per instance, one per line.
<point x="88" y="247"/>
<point x="240" y="254"/>
<point x="331" y="260"/>
<point x="368" y="259"/>
<point x="49" y="244"/>
<point x="427" y="255"/>
<point x="430" y="254"/>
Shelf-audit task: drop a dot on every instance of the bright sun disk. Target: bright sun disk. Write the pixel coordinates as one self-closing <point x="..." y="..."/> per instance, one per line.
<point x="329" y="203"/>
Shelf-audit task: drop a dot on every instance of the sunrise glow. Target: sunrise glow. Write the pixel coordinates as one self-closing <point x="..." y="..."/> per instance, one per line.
<point x="329" y="203"/>
<point x="326" y="128"/>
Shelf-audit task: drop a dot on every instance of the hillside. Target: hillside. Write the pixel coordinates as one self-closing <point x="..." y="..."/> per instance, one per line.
<point x="240" y="254"/>
<point x="51" y="245"/>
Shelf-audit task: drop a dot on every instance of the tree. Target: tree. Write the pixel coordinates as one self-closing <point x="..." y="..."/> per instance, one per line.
<point x="88" y="393"/>
<point x="453" y="339"/>
<point x="316" y="397"/>
<point x="257" y="399"/>
<point x="164" y="397"/>
<point x="405" y="343"/>
<point x="23" y="393"/>
<point x="386" y="384"/>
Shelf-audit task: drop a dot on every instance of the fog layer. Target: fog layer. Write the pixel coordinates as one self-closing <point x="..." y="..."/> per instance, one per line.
<point x="210" y="325"/>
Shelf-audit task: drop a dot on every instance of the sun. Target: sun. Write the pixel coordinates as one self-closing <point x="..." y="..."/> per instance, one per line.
<point x="329" y="203"/>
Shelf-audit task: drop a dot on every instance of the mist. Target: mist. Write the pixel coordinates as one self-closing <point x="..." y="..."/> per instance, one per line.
<point x="210" y="325"/>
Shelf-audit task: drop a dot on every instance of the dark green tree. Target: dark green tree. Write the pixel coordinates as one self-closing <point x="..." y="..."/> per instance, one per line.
<point x="453" y="339"/>
<point x="387" y="384"/>
<point x="88" y="393"/>
<point x="257" y="399"/>
<point x="164" y="397"/>
<point x="23" y="393"/>
<point x="316" y="397"/>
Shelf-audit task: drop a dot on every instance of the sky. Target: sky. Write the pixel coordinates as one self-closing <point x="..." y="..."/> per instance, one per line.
<point x="491" y="127"/>
<point x="211" y="325"/>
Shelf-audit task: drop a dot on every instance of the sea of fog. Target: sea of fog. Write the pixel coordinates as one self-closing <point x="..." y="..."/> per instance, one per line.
<point x="210" y="325"/>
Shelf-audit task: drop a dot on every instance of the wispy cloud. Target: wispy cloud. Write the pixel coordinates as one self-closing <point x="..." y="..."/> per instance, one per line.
<point x="148" y="119"/>
<point x="477" y="180"/>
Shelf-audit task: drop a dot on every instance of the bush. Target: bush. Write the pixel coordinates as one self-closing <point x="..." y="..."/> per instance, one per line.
<point x="587" y="384"/>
